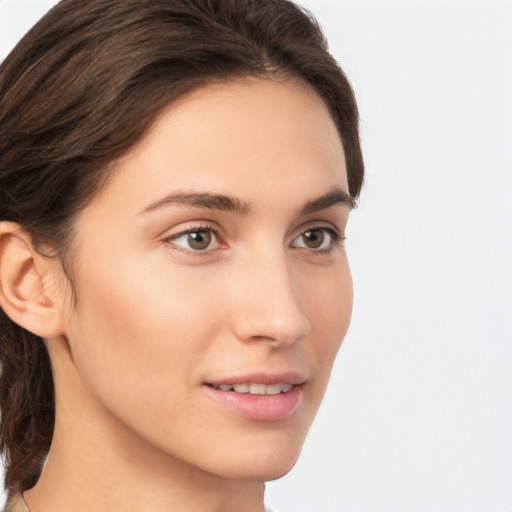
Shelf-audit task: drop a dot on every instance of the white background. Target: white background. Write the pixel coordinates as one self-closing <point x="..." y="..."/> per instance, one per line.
<point x="418" y="416"/>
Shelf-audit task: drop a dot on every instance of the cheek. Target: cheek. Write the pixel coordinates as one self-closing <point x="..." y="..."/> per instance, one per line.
<point x="137" y="337"/>
<point x="328" y="302"/>
<point x="330" y="310"/>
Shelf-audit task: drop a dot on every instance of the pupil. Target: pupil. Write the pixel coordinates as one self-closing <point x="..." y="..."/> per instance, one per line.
<point x="314" y="239"/>
<point x="199" y="240"/>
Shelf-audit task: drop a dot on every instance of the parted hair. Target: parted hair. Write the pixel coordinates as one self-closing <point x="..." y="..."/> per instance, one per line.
<point x="80" y="89"/>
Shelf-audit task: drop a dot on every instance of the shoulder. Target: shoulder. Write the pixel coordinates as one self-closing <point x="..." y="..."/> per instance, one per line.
<point x="16" y="503"/>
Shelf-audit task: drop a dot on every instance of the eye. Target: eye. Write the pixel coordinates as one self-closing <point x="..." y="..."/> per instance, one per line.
<point x="318" y="239"/>
<point x="196" y="240"/>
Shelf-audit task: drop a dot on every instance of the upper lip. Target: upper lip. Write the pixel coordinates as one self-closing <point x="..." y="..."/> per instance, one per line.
<point x="294" y="378"/>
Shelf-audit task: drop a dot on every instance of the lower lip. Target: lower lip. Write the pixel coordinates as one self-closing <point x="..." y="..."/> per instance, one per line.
<point x="259" y="407"/>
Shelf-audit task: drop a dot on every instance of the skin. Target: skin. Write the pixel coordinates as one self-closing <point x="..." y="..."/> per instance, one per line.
<point x="156" y="319"/>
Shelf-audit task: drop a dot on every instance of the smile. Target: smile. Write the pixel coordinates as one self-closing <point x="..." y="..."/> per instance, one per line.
<point x="256" y="389"/>
<point x="256" y="401"/>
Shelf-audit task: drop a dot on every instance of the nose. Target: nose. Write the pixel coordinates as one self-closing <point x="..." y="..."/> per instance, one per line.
<point x="267" y="304"/>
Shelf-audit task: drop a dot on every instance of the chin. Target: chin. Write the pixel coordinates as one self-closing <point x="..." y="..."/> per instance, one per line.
<point x="278" y="471"/>
<point x="265" y="460"/>
<point x="263" y="472"/>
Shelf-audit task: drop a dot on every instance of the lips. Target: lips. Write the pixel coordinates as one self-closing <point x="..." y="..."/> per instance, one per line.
<point x="261" y="397"/>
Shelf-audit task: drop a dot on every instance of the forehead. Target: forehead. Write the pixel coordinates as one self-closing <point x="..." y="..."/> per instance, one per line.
<point x="238" y="137"/>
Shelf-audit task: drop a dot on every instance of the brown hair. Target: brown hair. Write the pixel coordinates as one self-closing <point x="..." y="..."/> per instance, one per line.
<point x="78" y="91"/>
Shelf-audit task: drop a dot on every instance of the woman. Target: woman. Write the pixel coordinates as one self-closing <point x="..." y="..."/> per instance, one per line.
<point x="175" y="180"/>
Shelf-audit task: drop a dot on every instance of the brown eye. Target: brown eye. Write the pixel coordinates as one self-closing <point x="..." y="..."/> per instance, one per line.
<point x="314" y="238"/>
<point x="199" y="240"/>
<point x="318" y="239"/>
<point x="196" y="240"/>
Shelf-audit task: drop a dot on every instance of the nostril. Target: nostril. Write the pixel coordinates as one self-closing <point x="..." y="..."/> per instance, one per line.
<point x="273" y="328"/>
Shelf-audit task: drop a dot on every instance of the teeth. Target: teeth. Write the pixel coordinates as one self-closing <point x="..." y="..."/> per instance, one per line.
<point x="256" y="389"/>
<point x="273" y="389"/>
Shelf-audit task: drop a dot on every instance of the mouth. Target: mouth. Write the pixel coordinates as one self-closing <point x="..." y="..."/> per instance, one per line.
<point x="254" y="388"/>
<point x="262" y="398"/>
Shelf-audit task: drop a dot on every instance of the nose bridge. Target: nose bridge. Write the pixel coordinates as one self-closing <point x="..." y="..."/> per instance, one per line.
<point x="268" y="300"/>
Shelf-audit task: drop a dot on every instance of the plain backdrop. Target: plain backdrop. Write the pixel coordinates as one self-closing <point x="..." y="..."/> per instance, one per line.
<point x="418" y="416"/>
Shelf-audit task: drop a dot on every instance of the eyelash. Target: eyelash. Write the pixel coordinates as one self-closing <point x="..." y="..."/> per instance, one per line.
<point x="194" y="229"/>
<point x="337" y="239"/>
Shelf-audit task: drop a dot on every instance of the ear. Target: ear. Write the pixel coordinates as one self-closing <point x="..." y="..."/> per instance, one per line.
<point x="28" y="291"/>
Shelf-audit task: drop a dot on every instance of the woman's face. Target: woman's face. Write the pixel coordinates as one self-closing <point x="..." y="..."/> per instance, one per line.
<point x="212" y="258"/>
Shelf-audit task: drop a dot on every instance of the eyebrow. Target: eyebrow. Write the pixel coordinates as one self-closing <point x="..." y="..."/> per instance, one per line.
<point x="333" y="197"/>
<point x="235" y="205"/>
<point x="202" y="200"/>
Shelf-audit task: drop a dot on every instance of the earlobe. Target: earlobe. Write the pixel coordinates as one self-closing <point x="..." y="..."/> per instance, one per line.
<point x="23" y="296"/>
